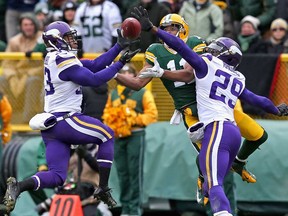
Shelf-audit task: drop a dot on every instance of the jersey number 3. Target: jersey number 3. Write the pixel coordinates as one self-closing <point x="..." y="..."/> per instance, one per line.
<point x="51" y="89"/>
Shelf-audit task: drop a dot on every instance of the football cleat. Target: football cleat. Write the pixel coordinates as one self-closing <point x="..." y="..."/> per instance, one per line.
<point x="201" y="199"/>
<point x="105" y="196"/>
<point x="11" y="194"/>
<point x="240" y="168"/>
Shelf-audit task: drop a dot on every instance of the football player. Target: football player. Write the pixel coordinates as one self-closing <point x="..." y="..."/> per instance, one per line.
<point x="218" y="87"/>
<point x="64" y="75"/>
<point x="184" y="96"/>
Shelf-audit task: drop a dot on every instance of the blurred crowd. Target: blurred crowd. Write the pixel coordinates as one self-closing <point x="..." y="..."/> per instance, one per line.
<point x="262" y="23"/>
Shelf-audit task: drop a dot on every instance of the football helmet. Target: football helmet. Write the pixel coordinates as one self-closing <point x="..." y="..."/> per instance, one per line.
<point x="58" y="35"/>
<point x="227" y="50"/>
<point x="175" y="19"/>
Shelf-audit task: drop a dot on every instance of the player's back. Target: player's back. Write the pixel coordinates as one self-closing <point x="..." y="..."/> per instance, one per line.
<point x="182" y="93"/>
<point x="218" y="91"/>
<point x="60" y="96"/>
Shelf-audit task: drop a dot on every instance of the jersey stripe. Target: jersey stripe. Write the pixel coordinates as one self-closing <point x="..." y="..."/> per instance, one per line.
<point x="85" y="130"/>
<point x="93" y="126"/>
<point x="214" y="156"/>
<point x="66" y="63"/>
<point x="208" y="153"/>
<point x="150" y="56"/>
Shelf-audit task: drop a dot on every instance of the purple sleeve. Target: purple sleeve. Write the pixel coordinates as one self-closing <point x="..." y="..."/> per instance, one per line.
<point x="259" y="101"/>
<point x="103" y="60"/>
<point x="83" y="76"/>
<point x="185" y="51"/>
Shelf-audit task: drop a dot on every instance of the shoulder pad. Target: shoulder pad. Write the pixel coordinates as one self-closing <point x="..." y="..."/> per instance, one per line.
<point x="65" y="58"/>
<point x="150" y="53"/>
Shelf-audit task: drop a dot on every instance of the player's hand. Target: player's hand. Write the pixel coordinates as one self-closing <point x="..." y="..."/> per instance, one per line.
<point x="155" y="71"/>
<point x="283" y="109"/>
<point x="128" y="55"/>
<point x="141" y="14"/>
<point x="125" y="42"/>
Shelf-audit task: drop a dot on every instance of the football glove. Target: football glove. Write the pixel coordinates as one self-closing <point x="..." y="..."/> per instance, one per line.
<point x="128" y="55"/>
<point x="125" y="42"/>
<point x="155" y="71"/>
<point x="141" y="14"/>
<point x="283" y="109"/>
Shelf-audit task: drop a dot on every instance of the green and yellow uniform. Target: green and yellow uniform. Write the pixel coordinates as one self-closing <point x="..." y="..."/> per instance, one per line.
<point x="183" y="94"/>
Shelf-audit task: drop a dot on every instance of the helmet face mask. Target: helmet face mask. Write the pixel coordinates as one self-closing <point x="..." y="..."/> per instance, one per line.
<point x="227" y="50"/>
<point x="59" y="36"/>
<point x="175" y="19"/>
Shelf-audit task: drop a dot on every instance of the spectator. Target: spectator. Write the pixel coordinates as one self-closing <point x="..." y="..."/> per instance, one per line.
<point x="55" y="12"/>
<point x="22" y="79"/>
<point x="249" y="33"/>
<point x="277" y="43"/>
<point x="41" y="12"/>
<point x="156" y="12"/>
<point x="204" y="18"/>
<point x="229" y="30"/>
<point x="263" y="10"/>
<point x="97" y="22"/>
<point x="69" y="10"/>
<point x="128" y="112"/>
<point x="15" y="8"/>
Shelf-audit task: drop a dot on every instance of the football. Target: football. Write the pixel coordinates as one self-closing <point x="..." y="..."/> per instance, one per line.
<point x="131" y="28"/>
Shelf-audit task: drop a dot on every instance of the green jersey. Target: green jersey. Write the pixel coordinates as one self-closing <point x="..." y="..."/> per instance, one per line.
<point x="183" y="94"/>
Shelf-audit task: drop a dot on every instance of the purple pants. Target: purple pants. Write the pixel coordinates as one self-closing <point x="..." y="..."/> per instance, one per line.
<point x="79" y="130"/>
<point x="220" y="146"/>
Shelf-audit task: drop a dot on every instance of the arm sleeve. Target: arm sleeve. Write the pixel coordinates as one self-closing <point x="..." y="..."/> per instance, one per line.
<point x="83" y="76"/>
<point x="102" y="61"/>
<point x="150" y="114"/>
<point x="190" y="56"/>
<point x="259" y="101"/>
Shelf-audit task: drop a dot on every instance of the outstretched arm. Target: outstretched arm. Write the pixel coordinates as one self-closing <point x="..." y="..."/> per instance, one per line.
<point x="103" y="60"/>
<point x="172" y="41"/>
<point x="184" y="75"/>
<point x="259" y="101"/>
<point x="83" y="76"/>
<point x="108" y="57"/>
<point x="189" y="55"/>
<point x="134" y="83"/>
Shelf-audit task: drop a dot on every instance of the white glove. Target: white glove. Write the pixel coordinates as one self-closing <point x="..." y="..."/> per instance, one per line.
<point x="155" y="71"/>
